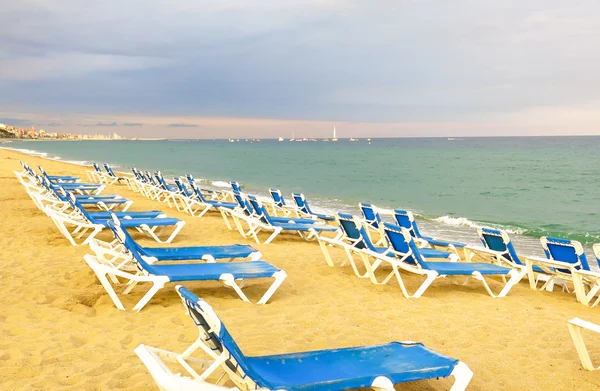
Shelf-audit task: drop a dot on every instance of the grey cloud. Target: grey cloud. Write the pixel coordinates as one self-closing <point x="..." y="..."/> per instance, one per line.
<point x="344" y="60"/>
<point x="133" y="124"/>
<point x="101" y="124"/>
<point x="182" y="125"/>
<point x="16" y="121"/>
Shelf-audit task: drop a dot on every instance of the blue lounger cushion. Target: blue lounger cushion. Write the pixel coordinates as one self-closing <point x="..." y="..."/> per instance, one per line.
<point x="95" y="201"/>
<point x="442" y="243"/>
<point x="293" y="220"/>
<point x="433" y="253"/>
<point x="127" y="223"/>
<point x="220" y="204"/>
<point x="305" y="227"/>
<point x="324" y="217"/>
<point x="62" y="178"/>
<point x="212" y="271"/>
<point x="121" y="215"/>
<point x="349" y="368"/>
<point x="466" y="268"/>
<point x="189" y="253"/>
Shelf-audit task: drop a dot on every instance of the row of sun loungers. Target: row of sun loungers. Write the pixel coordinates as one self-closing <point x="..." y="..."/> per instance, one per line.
<point x="376" y="250"/>
<point x="377" y="366"/>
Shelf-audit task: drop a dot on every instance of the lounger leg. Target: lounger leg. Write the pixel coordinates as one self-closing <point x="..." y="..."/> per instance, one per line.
<point x="276" y="232"/>
<point x="157" y="284"/>
<point x="101" y="273"/>
<point x="326" y="254"/>
<point x="428" y="281"/>
<point x="582" y="351"/>
<point x="228" y="280"/>
<point x="279" y="276"/>
<point x="462" y="375"/>
<point x="382" y="383"/>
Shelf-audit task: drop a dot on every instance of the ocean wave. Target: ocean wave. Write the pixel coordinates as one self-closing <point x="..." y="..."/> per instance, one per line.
<point x="31" y="152"/>
<point x="220" y="184"/>
<point x="464" y="222"/>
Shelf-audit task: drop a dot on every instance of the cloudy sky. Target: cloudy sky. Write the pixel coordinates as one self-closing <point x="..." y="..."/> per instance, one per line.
<point x="194" y="68"/>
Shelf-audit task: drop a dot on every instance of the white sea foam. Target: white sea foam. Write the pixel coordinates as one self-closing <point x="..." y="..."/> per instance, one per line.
<point x="221" y="184"/>
<point x="29" y="151"/>
<point x="464" y="222"/>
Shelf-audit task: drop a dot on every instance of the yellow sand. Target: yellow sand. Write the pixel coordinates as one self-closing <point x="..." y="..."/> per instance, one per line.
<point x="59" y="329"/>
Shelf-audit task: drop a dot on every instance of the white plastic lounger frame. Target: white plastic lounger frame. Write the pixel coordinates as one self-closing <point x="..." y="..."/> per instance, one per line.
<point x="587" y="286"/>
<point x="158" y="282"/>
<point x="461" y="372"/>
<point x="77" y="232"/>
<point x="398" y="263"/>
<point x="154" y="359"/>
<point x="575" y="326"/>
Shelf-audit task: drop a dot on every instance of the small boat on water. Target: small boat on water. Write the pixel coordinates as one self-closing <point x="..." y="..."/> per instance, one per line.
<point x="334" y="138"/>
<point x="280" y="139"/>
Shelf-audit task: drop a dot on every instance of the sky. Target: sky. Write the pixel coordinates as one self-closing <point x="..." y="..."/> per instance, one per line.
<point x="270" y="68"/>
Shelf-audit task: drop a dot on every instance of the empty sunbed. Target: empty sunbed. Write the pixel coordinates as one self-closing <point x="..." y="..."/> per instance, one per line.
<point x="154" y="227"/>
<point x="111" y="177"/>
<point x="408" y="258"/>
<point x="373" y="221"/>
<point x="499" y="250"/>
<point x="563" y="258"/>
<point x="304" y="208"/>
<point x="159" y="274"/>
<point x="406" y="219"/>
<point x="266" y="222"/>
<point x="377" y="366"/>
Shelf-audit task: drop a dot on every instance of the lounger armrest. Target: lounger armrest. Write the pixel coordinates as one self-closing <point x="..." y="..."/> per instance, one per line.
<point x="585" y="325"/>
<point x="590" y="273"/>
<point x="530" y="260"/>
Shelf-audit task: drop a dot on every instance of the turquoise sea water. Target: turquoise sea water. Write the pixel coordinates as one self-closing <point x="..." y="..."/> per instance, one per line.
<point x="529" y="186"/>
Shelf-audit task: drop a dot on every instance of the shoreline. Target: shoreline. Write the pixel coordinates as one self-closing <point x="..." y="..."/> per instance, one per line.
<point x="508" y="342"/>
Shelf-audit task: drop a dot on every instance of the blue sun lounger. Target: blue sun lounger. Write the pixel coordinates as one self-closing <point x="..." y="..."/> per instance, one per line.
<point x="563" y="258"/>
<point x="189" y="253"/>
<point x="409" y="258"/>
<point x="303" y="207"/>
<point x="279" y="203"/>
<point x="373" y="221"/>
<point x="206" y="204"/>
<point x="355" y="240"/>
<point x="248" y="209"/>
<point x="160" y="274"/>
<point x="149" y="226"/>
<point x="406" y="219"/>
<point x="266" y="222"/>
<point x="376" y="366"/>
<point x="56" y="178"/>
<point x="111" y="176"/>
<point x="498" y="249"/>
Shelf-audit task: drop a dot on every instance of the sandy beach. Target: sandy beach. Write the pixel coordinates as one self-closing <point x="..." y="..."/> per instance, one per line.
<point x="60" y="330"/>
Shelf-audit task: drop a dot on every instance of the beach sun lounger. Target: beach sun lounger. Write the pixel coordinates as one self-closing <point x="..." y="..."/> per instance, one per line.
<point x="406" y="219"/>
<point x="498" y="249"/>
<point x="229" y="274"/>
<point x="377" y="366"/>
<point x="373" y="221"/>
<point x="563" y="258"/>
<point x="408" y="258"/>
<point x="111" y="177"/>
<point x="265" y="222"/>
<point x="576" y="326"/>
<point x="153" y="227"/>
<point x="303" y="207"/>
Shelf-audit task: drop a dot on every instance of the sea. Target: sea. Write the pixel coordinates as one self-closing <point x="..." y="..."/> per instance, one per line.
<point x="528" y="186"/>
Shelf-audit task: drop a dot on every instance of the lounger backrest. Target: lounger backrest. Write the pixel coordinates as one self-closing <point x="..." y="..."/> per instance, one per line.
<point x="42" y="171"/>
<point x="499" y="241"/>
<point x="406" y="219"/>
<point x="190" y="179"/>
<point x="181" y="187"/>
<point x="76" y="205"/>
<point x="197" y="191"/>
<point x="217" y="335"/>
<point x="96" y="167"/>
<point x="371" y="216"/>
<point x="127" y="241"/>
<point x="236" y="186"/>
<point x="565" y="250"/>
<point x="403" y="244"/>
<point x="244" y="204"/>
<point x="354" y="231"/>
<point x="301" y="202"/>
<point x="260" y="210"/>
<point x="109" y="170"/>
<point x="596" y="248"/>
<point x="277" y="197"/>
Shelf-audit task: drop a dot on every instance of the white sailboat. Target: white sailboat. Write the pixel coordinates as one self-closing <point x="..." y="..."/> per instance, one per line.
<point x="292" y="139"/>
<point x="334" y="138"/>
<point x="280" y="139"/>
